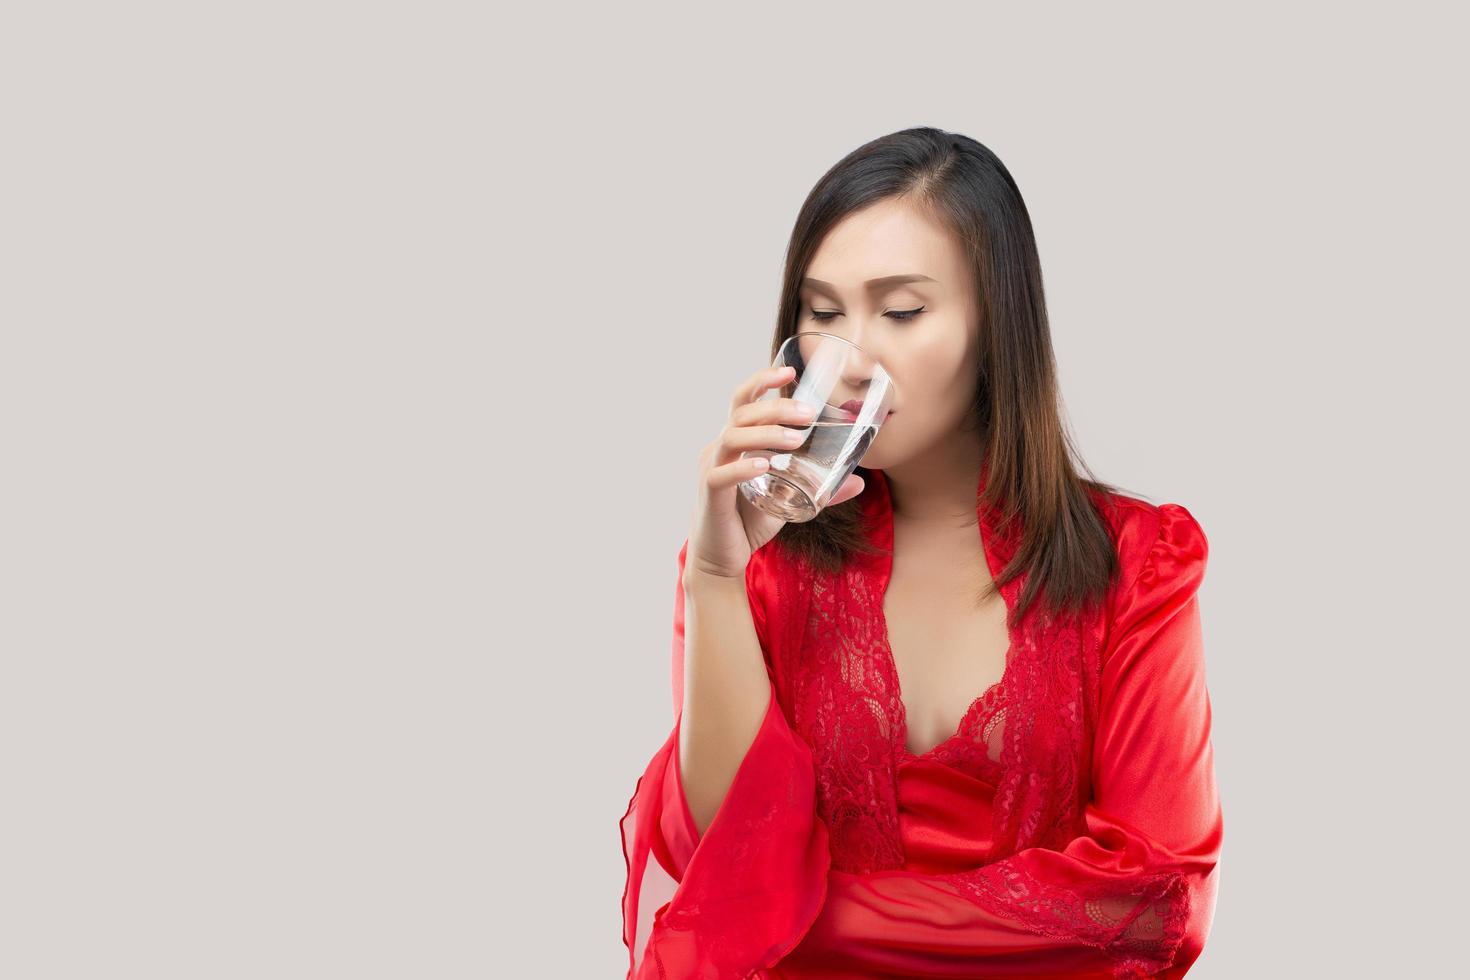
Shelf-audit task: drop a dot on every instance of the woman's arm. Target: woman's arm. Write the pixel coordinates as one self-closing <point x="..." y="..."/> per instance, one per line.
<point x="734" y="896"/>
<point x="726" y="687"/>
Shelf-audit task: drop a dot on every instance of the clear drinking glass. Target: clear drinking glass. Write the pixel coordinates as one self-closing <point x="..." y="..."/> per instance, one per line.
<point x="851" y="392"/>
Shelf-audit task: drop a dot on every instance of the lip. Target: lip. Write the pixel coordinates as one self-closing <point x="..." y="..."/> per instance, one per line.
<point x="853" y="406"/>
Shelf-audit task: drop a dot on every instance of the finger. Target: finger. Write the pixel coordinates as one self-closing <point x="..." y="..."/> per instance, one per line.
<point x="773" y="410"/>
<point x="777" y="438"/>
<point x="729" y="474"/>
<point x="757" y="383"/>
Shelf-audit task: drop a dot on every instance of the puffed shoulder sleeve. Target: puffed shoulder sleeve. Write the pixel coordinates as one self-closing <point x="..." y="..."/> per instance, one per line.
<point x="733" y="900"/>
<point x="1133" y="894"/>
<point x="1153" y="776"/>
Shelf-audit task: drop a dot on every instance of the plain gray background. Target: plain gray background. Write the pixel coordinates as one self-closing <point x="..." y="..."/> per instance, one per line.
<point x="357" y="358"/>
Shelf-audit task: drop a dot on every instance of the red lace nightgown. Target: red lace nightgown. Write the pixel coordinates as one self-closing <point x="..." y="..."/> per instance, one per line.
<point x="1069" y="828"/>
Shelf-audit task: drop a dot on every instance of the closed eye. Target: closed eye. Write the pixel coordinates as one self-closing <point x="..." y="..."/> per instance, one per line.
<point x="822" y="316"/>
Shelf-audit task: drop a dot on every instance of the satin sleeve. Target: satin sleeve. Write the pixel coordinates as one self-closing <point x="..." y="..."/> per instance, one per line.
<point x="734" y="900"/>
<point x="1133" y="895"/>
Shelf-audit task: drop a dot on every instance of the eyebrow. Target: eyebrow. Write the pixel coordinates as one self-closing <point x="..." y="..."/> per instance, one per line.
<point x="871" y="284"/>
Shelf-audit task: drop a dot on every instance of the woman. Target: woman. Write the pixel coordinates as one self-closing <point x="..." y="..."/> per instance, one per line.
<point x="957" y="725"/>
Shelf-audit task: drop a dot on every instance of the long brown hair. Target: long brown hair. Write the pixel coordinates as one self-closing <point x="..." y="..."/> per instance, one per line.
<point x="1065" y="545"/>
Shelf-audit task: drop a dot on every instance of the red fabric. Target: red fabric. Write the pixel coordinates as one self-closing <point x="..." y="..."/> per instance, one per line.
<point x="1070" y="827"/>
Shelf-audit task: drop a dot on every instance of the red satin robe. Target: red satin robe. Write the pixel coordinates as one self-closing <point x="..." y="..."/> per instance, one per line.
<point x="1070" y="827"/>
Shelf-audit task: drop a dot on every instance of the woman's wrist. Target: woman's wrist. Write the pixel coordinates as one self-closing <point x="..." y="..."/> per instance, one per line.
<point x="700" y="582"/>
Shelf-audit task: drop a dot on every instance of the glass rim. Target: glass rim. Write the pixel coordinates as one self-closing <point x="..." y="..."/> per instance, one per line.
<point x="822" y="333"/>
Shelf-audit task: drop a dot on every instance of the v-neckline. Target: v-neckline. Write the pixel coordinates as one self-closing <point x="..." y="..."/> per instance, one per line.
<point x="885" y="650"/>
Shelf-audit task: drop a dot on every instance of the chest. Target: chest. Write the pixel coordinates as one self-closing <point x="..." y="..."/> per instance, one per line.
<point x="948" y="648"/>
<point x="847" y="679"/>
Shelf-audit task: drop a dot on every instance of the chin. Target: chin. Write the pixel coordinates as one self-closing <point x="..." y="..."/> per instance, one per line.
<point x="880" y="454"/>
<point x="874" y="460"/>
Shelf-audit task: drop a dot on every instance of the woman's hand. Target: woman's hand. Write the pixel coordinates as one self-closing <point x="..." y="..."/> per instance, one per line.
<point x="728" y="529"/>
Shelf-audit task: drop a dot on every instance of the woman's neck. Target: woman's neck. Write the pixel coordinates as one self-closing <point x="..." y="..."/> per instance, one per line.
<point x="939" y="486"/>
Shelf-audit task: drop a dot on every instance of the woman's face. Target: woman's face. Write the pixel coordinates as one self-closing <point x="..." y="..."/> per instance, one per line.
<point x="932" y="356"/>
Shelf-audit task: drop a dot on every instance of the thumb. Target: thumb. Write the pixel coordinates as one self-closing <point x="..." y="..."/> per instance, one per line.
<point x="850" y="488"/>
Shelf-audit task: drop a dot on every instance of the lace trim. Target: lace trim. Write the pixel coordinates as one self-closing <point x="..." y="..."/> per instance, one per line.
<point x="844" y="708"/>
<point x="978" y="746"/>
<point x="1044" y="776"/>
<point x="1140" y="924"/>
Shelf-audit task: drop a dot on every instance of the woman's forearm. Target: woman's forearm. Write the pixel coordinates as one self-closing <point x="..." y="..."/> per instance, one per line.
<point x="726" y="689"/>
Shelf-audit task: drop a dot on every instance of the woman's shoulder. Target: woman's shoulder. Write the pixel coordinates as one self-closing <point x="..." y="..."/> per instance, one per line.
<point x="1153" y="540"/>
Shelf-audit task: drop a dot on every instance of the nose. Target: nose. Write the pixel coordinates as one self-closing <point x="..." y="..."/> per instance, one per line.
<point x="862" y="335"/>
<point x="859" y="368"/>
<point x="851" y="368"/>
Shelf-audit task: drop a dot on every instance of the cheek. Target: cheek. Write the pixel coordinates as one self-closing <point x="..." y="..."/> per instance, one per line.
<point x="934" y="385"/>
<point x="933" y="377"/>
